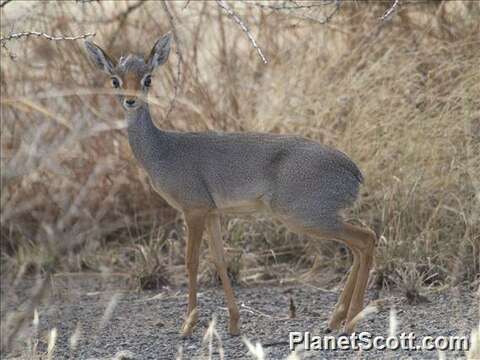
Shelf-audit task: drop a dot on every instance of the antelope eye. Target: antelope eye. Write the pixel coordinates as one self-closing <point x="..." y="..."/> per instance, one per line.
<point x="147" y="81"/>
<point x="115" y="82"/>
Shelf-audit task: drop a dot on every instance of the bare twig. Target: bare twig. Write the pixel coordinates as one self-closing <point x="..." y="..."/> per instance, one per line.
<point x="242" y="25"/>
<point x="304" y="16"/>
<point x="124" y="14"/>
<point x="123" y="19"/>
<point x="388" y="14"/>
<point x="295" y="6"/>
<point x="3" y="3"/>
<point x="121" y="16"/>
<point x="179" y="55"/>
<point x="328" y="17"/>
<point x="13" y="36"/>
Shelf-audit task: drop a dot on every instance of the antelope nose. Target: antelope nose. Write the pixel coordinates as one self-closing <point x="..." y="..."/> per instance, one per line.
<point x="130" y="102"/>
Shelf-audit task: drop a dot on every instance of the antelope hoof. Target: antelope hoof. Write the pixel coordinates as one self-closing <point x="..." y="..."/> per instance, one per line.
<point x="189" y="323"/>
<point x="335" y="322"/>
<point x="187" y="330"/>
<point x="233" y="329"/>
<point x="348" y="328"/>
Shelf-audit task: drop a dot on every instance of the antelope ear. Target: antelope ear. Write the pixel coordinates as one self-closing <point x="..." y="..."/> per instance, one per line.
<point x="160" y="51"/>
<point x="99" y="57"/>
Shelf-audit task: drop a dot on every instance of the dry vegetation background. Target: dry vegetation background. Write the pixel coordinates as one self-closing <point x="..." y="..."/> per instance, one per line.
<point x="401" y="97"/>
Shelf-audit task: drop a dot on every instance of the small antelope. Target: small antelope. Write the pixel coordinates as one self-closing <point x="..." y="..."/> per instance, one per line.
<point x="204" y="175"/>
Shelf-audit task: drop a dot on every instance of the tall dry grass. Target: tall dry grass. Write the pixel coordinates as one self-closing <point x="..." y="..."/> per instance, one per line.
<point x="400" y="97"/>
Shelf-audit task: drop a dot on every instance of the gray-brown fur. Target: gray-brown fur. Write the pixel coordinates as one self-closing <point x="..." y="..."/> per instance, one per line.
<point x="204" y="175"/>
<point x="292" y="177"/>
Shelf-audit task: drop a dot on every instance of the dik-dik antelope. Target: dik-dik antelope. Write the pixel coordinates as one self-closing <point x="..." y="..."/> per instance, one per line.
<point x="204" y="175"/>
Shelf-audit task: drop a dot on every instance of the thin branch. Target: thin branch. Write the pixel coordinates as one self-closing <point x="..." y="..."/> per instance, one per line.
<point x="121" y="16"/>
<point x="124" y="14"/>
<point x="327" y="18"/>
<point x="123" y="20"/>
<point x="179" y="55"/>
<point x="389" y="13"/>
<point x="13" y="36"/>
<point x="3" y="3"/>
<point x="295" y="6"/>
<point x="242" y="25"/>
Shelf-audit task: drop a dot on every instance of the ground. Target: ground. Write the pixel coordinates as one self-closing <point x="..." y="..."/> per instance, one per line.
<point x="146" y="325"/>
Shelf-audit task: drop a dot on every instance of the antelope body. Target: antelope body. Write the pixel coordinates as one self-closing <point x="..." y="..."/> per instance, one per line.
<point x="205" y="175"/>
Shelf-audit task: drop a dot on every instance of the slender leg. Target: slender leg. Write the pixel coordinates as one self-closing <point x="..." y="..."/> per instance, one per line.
<point x="362" y="244"/>
<point x="218" y="257"/>
<point x="364" y="241"/>
<point x="341" y="309"/>
<point x="195" y="225"/>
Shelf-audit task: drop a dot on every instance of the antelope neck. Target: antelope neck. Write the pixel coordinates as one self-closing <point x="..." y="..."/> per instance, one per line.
<point x="144" y="137"/>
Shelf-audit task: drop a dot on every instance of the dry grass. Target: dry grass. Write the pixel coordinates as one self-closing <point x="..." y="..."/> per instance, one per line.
<point x="401" y="97"/>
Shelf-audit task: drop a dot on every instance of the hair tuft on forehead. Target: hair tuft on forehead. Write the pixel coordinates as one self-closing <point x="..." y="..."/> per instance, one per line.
<point x="132" y="62"/>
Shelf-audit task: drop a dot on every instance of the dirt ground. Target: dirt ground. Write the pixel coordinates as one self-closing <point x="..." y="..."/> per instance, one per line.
<point x="146" y="325"/>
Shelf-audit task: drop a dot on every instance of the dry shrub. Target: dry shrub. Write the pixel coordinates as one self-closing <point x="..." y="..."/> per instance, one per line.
<point x="401" y="97"/>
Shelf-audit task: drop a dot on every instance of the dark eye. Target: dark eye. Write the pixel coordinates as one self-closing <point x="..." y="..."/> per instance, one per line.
<point x="147" y="81"/>
<point x="115" y="82"/>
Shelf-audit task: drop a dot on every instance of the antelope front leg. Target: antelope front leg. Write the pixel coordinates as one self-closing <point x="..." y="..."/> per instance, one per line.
<point x="218" y="257"/>
<point x="195" y="226"/>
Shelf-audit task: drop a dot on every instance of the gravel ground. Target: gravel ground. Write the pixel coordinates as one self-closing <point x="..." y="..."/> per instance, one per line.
<point x="146" y="325"/>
